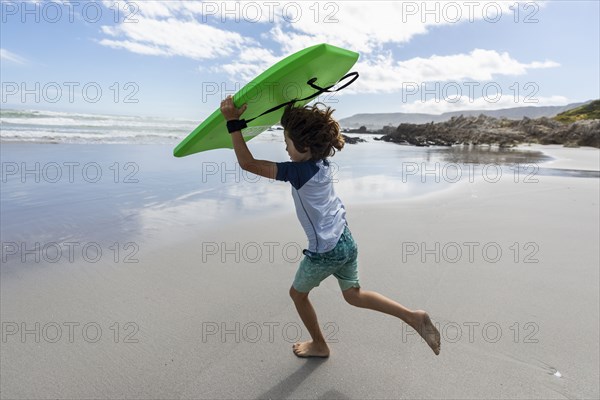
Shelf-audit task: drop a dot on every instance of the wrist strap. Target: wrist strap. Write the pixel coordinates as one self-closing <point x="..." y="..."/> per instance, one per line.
<point x="236" y="125"/>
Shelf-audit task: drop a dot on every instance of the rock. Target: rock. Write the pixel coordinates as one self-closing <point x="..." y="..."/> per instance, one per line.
<point x="488" y="130"/>
<point x="352" y="140"/>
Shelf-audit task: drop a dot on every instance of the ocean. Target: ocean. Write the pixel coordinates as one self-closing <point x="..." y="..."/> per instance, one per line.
<point x="62" y="127"/>
<point x="68" y="176"/>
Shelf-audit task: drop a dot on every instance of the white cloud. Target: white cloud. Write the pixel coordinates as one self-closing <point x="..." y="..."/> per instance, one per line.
<point x="383" y="74"/>
<point x="367" y="26"/>
<point x="213" y="31"/>
<point x="135" y="47"/>
<point x="247" y="11"/>
<point x="346" y="24"/>
<point x="251" y="62"/>
<point x="8" y="56"/>
<point x="183" y="28"/>
<point x="174" y="37"/>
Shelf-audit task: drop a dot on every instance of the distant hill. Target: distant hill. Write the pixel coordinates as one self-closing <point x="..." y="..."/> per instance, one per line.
<point x="378" y="121"/>
<point x="586" y="111"/>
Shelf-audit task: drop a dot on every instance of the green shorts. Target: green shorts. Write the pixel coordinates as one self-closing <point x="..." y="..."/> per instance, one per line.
<point x="341" y="261"/>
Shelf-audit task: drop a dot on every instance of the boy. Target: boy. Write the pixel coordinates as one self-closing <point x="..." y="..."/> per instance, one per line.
<point x="312" y="135"/>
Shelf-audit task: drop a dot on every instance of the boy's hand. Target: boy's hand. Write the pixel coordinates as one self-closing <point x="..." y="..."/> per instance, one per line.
<point x="229" y="111"/>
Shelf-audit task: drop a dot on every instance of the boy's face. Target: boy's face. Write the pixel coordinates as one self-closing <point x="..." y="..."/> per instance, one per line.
<point x="294" y="154"/>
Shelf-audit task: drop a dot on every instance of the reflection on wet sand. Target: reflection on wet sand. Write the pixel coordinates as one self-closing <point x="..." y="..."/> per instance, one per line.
<point x="208" y="190"/>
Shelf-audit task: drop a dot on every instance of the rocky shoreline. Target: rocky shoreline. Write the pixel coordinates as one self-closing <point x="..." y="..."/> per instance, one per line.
<point x="495" y="131"/>
<point x="352" y="140"/>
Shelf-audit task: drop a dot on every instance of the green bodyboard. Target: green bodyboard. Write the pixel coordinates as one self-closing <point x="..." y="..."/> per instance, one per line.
<point x="284" y="81"/>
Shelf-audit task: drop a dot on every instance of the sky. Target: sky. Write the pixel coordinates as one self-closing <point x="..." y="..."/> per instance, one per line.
<point x="174" y="59"/>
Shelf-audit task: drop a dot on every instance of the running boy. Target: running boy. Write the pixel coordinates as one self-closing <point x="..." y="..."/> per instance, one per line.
<point x="312" y="135"/>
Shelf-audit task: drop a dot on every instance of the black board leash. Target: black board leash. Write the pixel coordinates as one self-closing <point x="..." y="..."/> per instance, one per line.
<point x="242" y="123"/>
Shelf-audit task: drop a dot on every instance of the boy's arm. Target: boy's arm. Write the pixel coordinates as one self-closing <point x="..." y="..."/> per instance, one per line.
<point x="265" y="168"/>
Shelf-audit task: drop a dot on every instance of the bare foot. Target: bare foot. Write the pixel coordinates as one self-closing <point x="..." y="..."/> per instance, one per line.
<point x="427" y="330"/>
<point x="310" y="349"/>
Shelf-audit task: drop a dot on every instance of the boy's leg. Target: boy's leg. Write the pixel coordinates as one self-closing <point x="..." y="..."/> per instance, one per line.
<point x="317" y="347"/>
<point x="311" y="272"/>
<point x="419" y="320"/>
<point x="375" y="301"/>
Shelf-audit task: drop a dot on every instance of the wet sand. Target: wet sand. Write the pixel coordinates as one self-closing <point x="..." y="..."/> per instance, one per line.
<point x="507" y="269"/>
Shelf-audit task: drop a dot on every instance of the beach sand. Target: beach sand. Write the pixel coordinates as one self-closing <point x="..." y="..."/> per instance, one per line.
<point x="189" y="320"/>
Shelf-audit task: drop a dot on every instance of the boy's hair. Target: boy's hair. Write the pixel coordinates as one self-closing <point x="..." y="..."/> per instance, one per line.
<point x="312" y="128"/>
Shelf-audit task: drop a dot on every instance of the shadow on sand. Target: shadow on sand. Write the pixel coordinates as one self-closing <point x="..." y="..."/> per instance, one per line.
<point x="288" y="385"/>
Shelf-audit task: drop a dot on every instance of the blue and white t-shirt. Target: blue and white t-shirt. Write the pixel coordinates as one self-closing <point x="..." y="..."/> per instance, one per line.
<point x="319" y="209"/>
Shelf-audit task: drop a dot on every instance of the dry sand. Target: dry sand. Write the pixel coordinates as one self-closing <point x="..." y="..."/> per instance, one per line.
<point x="512" y="328"/>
